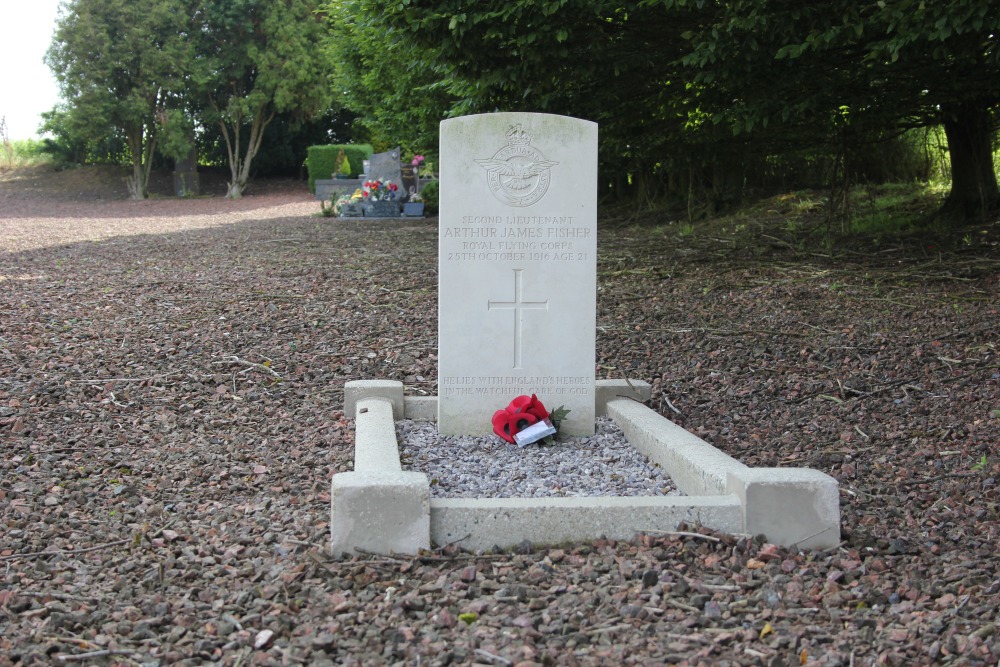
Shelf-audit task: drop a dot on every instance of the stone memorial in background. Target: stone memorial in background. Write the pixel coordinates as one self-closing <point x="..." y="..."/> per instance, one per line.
<point x="517" y="268"/>
<point x="409" y="182"/>
<point x="385" y="166"/>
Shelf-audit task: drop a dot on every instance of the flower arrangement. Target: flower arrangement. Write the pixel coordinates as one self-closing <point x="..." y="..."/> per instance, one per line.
<point x="523" y="413"/>
<point x="355" y="198"/>
<point x="379" y="190"/>
<point x="422" y="167"/>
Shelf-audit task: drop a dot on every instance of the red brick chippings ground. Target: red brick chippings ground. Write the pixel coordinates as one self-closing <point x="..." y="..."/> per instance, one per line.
<point x="171" y="377"/>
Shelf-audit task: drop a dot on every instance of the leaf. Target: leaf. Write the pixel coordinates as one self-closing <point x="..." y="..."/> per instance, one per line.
<point x="559" y="414"/>
<point x="766" y="630"/>
<point x="469" y="618"/>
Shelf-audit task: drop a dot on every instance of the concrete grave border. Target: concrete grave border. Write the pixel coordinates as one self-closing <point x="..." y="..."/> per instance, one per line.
<point x="382" y="509"/>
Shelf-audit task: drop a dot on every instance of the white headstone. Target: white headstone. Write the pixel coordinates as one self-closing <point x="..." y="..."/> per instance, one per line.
<point x="517" y="272"/>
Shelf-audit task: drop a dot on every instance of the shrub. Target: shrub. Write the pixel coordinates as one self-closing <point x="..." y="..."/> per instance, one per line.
<point x="430" y="193"/>
<point x="345" y="167"/>
<point x="321" y="161"/>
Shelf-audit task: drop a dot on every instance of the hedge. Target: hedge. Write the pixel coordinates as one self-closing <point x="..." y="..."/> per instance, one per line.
<point x="321" y="160"/>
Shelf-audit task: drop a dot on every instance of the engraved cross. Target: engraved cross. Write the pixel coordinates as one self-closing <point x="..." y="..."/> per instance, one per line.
<point x="518" y="305"/>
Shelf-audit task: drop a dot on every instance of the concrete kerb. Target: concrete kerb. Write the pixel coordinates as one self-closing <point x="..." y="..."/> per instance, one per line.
<point x="391" y="390"/>
<point x="379" y="512"/>
<point x="791" y="506"/>
<point x="378" y="507"/>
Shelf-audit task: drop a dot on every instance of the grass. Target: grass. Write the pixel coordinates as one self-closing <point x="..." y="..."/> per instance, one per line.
<point x="873" y="210"/>
<point x="804" y="222"/>
<point x="22" y="153"/>
<point x="893" y="207"/>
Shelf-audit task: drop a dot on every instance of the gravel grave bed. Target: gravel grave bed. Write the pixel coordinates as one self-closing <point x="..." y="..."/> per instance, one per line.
<point x="171" y="417"/>
<point x="489" y="467"/>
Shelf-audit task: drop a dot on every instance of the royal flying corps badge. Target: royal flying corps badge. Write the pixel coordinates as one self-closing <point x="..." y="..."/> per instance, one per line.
<point x="518" y="174"/>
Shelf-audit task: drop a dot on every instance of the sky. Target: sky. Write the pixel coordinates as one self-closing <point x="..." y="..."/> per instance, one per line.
<point x="27" y="87"/>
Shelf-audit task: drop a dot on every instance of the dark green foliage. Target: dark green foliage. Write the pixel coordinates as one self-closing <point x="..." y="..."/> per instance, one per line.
<point x="693" y="96"/>
<point x="610" y="62"/>
<point x="68" y="147"/>
<point x="256" y="59"/>
<point x="839" y="75"/>
<point x="321" y="161"/>
<point x="430" y="192"/>
<point x="119" y="64"/>
<point x="388" y="79"/>
<point x="283" y="149"/>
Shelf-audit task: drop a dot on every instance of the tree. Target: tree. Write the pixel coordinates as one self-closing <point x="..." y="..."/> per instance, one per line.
<point x="865" y="67"/>
<point x="257" y="58"/>
<point x="610" y="62"/>
<point x="668" y="79"/>
<point x="67" y="144"/>
<point x="117" y="63"/>
<point x="388" y="81"/>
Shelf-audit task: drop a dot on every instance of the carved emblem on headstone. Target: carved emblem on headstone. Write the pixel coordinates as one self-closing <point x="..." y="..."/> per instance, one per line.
<point x="518" y="174"/>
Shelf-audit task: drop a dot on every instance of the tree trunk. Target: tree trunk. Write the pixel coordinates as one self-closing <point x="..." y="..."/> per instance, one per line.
<point x="240" y="167"/>
<point x="233" y="189"/>
<point x="974" y="192"/>
<point x="137" y="182"/>
<point x="728" y="182"/>
<point x="134" y="182"/>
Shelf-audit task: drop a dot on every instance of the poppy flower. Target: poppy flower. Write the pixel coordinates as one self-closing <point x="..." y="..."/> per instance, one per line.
<point x="522" y="412"/>
<point x="530" y="405"/>
<point x="507" y="424"/>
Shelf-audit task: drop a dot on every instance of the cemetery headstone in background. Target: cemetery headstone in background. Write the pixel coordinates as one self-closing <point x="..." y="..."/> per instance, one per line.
<point x="517" y="272"/>
<point x="408" y="175"/>
<point x="385" y="166"/>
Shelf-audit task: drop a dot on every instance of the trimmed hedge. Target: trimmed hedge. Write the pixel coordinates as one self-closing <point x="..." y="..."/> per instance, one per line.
<point x="322" y="160"/>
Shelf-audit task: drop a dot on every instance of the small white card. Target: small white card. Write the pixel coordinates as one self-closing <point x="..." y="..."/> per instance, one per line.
<point x="534" y="433"/>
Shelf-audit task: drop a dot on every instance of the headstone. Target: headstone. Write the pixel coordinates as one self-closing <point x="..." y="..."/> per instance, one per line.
<point x="410" y="184"/>
<point x="328" y="189"/>
<point x="517" y="268"/>
<point x="385" y="166"/>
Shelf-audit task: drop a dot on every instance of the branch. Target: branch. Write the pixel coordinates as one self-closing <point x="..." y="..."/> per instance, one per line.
<point x="243" y="362"/>
<point x="65" y="552"/>
<point x="683" y="533"/>
<point x="94" y="654"/>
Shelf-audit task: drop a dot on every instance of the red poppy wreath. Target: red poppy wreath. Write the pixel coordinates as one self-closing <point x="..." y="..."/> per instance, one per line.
<point x="522" y="413"/>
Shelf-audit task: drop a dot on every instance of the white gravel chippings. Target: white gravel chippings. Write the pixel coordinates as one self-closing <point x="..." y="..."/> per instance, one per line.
<point x="489" y="467"/>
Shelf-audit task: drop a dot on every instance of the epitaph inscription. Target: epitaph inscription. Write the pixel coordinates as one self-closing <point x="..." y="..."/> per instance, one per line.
<point x="516" y="268"/>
